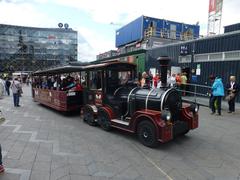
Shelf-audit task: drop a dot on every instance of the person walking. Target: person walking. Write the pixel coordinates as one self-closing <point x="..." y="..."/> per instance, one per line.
<point x="16" y="90"/>
<point x="218" y="93"/>
<point x="7" y="86"/>
<point x="1" y="164"/>
<point x="232" y="91"/>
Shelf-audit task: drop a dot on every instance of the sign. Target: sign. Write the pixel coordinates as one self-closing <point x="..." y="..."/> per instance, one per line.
<point x="215" y="6"/>
<point x="184" y="50"/>
<point x="212" y="6"/>
<point x="198" y="72"/>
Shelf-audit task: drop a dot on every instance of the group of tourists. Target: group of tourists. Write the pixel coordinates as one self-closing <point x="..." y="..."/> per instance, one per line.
<point x="57" y="83"/>
<point x="173" y="80"/>
<point x="218" y="92"/>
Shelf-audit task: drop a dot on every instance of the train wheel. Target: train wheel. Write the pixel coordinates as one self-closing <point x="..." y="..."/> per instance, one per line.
<point x="88" y="116"/>
<point x="104" y="120"/>
<point x="147" y="134"/>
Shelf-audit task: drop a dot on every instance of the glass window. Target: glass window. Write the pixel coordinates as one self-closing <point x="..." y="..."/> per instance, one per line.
<point x="95" y="80"/>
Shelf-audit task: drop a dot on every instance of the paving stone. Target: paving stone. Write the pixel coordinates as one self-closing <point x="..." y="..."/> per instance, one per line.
<point x="78" y="169"/>
<point x="79" y="177"/>
<point x="42" y="166"/>
<point x="40" y="175"/>
<point x="59" y="173"/>
<point x="9" y="176"/>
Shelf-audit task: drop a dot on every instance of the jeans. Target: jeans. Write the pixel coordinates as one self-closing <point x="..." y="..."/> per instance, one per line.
<point x="16" y="99"/>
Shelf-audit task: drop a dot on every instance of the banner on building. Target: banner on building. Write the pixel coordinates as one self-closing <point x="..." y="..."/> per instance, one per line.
<point x="215" y="6"/>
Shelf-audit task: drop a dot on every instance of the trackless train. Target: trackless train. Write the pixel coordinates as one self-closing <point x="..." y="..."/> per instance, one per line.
<point x="112" y="99"/>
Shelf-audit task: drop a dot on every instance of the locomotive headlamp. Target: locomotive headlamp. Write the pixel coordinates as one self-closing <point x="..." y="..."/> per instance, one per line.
<point x="166" y="115"/>
<point x="194" y="108"/>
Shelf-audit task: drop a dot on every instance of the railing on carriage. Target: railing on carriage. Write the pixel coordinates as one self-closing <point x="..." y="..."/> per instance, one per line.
<point x="196" y="93"/>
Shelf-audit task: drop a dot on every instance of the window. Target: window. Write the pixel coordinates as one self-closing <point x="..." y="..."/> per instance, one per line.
<point x="95" y="80"/>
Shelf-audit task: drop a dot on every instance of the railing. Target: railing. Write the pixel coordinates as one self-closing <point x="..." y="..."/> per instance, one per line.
<point x="169" y="34"/>
<point x="194" y="91"/>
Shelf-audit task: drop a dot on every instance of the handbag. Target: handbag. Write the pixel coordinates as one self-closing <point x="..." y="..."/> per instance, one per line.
<point x="230" y="96"/>
<point x="20" y="91"/>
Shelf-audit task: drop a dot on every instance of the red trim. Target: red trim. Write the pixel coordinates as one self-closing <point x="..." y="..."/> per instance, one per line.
<point x="190" y="117"/>
<point x="109" y="111"/>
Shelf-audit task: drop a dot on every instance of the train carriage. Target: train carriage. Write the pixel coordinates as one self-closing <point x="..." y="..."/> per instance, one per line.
<point x="60" y="99"/>
<point x="112" y="98"/>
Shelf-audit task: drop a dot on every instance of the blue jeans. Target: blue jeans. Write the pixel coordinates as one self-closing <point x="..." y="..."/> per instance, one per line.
<point x="16" y="99"/>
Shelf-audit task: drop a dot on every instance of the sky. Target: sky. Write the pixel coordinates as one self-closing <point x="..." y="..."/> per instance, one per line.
<point x="97" y="20"/>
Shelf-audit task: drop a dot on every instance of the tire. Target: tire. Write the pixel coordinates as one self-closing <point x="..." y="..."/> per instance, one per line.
<point x="146" y="132"/>
<point x="88" y="116"/>
<point x="104" y="120"/>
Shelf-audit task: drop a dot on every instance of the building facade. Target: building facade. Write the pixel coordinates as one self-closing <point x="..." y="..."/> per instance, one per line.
<point x="215" y="55"/>
<point x="30" y="48"/>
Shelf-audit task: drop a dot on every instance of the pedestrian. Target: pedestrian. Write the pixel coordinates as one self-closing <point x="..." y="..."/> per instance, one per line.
<point x="156" y="79"/>
<point x="7" y="86"/>
<point x="172" y="80"/>
<point x="2" y="84"/>
<point x="17" y="91"/>
<point x="144" y="81"/>
<point x="1" y="164"/>
<point x="178" y="80"/>
<point x="232" y="91"/>
<point x="183" y="83"/>
<point x="211" y="79"/>
<point x="218" y="93"/>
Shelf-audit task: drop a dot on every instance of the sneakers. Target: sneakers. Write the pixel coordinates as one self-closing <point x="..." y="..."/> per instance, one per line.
<point x="1" y="168"/>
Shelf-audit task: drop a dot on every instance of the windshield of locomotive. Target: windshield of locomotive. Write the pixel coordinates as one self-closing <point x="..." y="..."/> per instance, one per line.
<point x="117" y="79"/>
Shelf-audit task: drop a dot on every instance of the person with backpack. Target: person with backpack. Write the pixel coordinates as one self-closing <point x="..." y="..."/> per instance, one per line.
<point x="17" y="91"/>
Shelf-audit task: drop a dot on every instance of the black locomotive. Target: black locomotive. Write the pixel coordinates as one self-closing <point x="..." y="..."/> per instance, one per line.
<point x="154" y="114"/>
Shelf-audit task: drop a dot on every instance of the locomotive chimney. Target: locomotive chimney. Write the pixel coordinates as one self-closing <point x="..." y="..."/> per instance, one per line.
<point x="163" y="61"/>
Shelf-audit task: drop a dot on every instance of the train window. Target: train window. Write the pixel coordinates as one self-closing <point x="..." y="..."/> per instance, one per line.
<point x="95" y="80"/>
<point x="124" y="77"/>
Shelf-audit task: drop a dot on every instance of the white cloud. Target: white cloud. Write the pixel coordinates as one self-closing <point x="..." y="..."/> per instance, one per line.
<point x="96" y="43"/>
<point x="124" y="11"/>
<point x="26" y="13"/>
<point x="23" y="14"/>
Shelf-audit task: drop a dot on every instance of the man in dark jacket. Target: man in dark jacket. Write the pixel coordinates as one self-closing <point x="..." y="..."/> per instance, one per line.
<point x="7" y="86"/>
<point x="232" y="91"/>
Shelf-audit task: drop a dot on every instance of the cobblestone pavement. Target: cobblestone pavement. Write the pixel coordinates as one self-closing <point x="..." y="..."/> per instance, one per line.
<point x="41" y="144"/>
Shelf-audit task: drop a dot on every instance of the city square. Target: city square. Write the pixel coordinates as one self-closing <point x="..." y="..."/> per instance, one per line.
<point x="41" y="143"/>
